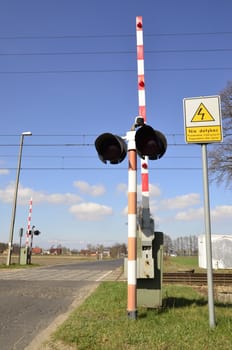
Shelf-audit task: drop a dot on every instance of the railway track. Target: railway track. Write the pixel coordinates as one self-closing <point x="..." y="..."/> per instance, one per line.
<point x="191" y="278"/>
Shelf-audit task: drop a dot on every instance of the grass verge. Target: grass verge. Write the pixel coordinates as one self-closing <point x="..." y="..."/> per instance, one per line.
<point x="101" y="323"/>
<point x="17" y="266"/>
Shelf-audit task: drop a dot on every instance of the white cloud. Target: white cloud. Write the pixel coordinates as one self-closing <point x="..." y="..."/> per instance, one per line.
<point x="125" y="211"/>
<point x="190" y="215"/>
<point x="222" y="212"/>
<point x="122" y="188"/>
<point x="90" y="211"/>
<point x="93" y="190"/>
<point x="154" y="191"/>
<point x="218" y="213"/>
<point x="25" y="193"/>
<point x="184" y="201"/>
<point x="4" y="171"/>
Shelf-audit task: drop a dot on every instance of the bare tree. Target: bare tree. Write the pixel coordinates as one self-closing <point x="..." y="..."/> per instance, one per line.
<point x="168" y="246"/>
<point x="220" y="157"/>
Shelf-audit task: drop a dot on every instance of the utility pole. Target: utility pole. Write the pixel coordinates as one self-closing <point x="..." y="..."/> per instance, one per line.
<point x="11" y="235"/>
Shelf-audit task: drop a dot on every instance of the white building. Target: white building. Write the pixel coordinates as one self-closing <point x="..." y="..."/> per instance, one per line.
<point x="221" y="251"/>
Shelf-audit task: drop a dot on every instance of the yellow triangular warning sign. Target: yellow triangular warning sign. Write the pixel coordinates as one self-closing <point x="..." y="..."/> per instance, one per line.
<point x="202" y="115"/>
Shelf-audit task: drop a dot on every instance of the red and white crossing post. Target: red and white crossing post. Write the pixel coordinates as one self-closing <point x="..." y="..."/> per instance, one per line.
<point x="132" y="227"/>
<point x="148" y="144"/>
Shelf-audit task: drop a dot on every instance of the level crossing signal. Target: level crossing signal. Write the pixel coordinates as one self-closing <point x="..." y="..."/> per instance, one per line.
<point x="149" y="142"/>
<point x="36" y="232"/>
<point x="111" y="147"/>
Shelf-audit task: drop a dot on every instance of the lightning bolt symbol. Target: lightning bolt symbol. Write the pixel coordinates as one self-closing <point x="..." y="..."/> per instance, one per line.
<point x="202" y="114"/>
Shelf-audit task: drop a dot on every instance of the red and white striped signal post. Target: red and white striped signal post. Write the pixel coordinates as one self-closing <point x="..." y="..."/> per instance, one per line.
<point x="132" y="227"/>
<point x="148" y="144"/>
<point x="140" y="67"/>
<point x="29" y="223"/>
<point x="28" y="231"/>
<point x="142" y="107"/>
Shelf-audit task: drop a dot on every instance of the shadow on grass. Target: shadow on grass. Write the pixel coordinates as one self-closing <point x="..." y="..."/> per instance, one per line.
<point x="226" y="305"/>
<point x="175" y="302"/>
<point x="171" y="302"/>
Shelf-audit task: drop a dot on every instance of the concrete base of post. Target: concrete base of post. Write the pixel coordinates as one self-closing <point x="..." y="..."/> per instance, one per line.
<point x="132" y="315"/>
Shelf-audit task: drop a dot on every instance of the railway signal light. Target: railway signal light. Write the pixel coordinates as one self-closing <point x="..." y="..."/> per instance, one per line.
<point x="149" y="142"/>
<point x="111" y="148"/>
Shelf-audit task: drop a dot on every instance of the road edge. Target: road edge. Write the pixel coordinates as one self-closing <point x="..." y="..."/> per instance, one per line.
<point x="41" y="341"/>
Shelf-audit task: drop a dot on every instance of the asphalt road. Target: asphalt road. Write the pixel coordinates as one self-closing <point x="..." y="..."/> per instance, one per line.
<point x="31" y="299"/>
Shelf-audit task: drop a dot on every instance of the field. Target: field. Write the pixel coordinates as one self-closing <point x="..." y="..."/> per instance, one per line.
<point x="179" y="263"/>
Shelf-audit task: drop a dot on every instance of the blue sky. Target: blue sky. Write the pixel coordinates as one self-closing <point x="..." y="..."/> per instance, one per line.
<point x="69" y="73"/>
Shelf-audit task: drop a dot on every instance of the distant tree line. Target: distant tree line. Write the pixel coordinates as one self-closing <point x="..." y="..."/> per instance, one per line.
<point x="4" y="247"/>
<point x="183" y="245"/>
<point x="115" y="251"/>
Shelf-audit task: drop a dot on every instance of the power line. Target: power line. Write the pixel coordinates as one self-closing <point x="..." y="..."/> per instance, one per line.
<point x="95" y="168"/>
<point x="60" y="135"/>
<point x="68" y="145"/>
<point x="85" y="156"/>
<point x="126" y="52"/>
<point x="78" y="71"/>
<point x="50" y="145"/>
<point x="75" y="135"/>
<point x="109" y="36"/>
<point x="86" y="145"/>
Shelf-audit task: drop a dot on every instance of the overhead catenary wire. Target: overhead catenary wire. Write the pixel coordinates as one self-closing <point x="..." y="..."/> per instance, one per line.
<point x="116" y="70"/>
<point x="88" y="145"/>
<point x="84" y="156"/>
<point x="111" y="36"/>
<point x="112" y="52"/>
<point x="102" y="169"/>
<point x="125" y="52"/>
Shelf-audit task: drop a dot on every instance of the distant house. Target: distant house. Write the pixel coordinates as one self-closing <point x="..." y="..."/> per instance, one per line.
<point x="106" y="252"/>
<point x="37" y="250"/>
<point x="87" y="252"/>
<point x="55" y="251"/>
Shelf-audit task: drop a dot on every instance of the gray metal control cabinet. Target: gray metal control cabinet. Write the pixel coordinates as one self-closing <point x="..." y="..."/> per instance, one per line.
<point x="149" y="270"/>
<point x="23" y="256"/>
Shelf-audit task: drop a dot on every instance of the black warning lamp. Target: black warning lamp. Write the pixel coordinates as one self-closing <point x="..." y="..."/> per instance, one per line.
<point x="149" y="142"/>
<point x="111" y="148"/>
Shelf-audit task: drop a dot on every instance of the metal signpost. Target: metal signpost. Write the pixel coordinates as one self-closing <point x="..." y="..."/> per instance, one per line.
<point x="203" y="126"/>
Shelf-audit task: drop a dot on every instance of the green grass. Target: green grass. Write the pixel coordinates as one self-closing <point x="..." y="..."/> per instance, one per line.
<point x="17" y="266"/>
<point x="183" y="323"/>
<point x="174" y="264"/>
<point x="187" y="261"/>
